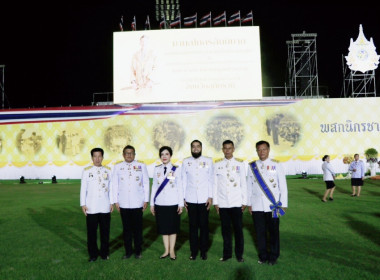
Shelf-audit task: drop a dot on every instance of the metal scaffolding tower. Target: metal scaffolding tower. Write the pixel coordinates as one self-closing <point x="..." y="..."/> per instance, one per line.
<point x="2" y="69"/>
<point x="358" y="84"/>
<point x="302" y="65"/>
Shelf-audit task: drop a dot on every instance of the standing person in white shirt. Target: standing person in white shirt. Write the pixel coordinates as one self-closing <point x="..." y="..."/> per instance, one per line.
<point x="97" y="204"/>
<point x="357" y="177"/>
<point x="197" y="181"/>
<point x="328" y="177"/>
<point x="230" y="199"/>
<point x="166" y="201"/>
<point x="267" y="201"/>
<point x="130" y="186"/>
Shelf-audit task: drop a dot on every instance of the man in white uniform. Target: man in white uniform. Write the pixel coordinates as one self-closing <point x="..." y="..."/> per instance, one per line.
<point x="267" y="200"/>
<point x="97" y="204"/>
<point x="197" y="181"/>
<point x="130" y="185"/>
<point x="230" y="199"/>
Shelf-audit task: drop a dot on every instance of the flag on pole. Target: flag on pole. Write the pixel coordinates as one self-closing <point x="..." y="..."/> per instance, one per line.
<point x="147" y="23"/>
<point x="163" y="22"/>
<point x="235" y="17"/>
<point x="176" y="21"/>
<point x="205" y="19"/>
<point x="133" y="24"/>
<point x="219" y="19"/>
<point x="187" y="21"/>
<point x="121" y="24"/>
<point x="248" y="17"/>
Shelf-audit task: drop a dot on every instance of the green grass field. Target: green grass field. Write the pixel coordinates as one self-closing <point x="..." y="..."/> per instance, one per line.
<point x="43" y="236"/>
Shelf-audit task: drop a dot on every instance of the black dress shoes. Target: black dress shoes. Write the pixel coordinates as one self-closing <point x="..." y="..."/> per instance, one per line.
<point x="92" y="259"/>
<point x="138" y="256"/>
<point x="223" y="259"/>
<point x="105" y="258"/>
<point x="240" y="260"/>
<point x="261" y="261"/>
<point x="272" y="262"/>
<point x="204" y="256"/>
<point x="192" y="258"/>
<point x="126" y="256"/>
<point x="164" y="256"/>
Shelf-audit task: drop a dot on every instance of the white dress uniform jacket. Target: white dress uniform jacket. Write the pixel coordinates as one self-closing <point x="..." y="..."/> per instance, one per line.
<point x="230" y="185"/>
<point x="328" y="172"/>
<point x="96" y="189"/>
<point x="274" y="176"/>
<point x="130" y="184"/>
<point x="197" y="179"/>
<point x="360" y="169"/>
<point x="172" y="194"/>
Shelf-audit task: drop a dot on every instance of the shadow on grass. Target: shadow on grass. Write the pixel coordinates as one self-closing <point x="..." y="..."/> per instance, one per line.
<point x="60" y="222"/>
<point x="313" y="192"/>
<point x="343" y="190"/>
<point x="242" y="273"/>
<point x="364" y="229"/>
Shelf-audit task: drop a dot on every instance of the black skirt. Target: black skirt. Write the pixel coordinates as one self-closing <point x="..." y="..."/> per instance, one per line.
<point x="167" y="219"/>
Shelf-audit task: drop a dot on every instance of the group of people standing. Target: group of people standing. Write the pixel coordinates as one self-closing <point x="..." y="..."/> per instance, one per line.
<point x="357" y="169"/>
<point x="196" y="186"/>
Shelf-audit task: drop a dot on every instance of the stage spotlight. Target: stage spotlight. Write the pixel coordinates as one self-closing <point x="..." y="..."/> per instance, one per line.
<point x="304" y="175"/>
<point x="22" y="180"/>
<point x="54" y="180"/>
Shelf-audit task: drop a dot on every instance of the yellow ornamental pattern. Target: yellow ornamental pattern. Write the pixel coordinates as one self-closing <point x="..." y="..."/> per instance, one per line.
<point x="305" y="130"/>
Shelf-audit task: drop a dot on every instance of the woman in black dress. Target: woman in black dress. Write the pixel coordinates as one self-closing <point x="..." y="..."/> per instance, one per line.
<point x="166" y="201"/>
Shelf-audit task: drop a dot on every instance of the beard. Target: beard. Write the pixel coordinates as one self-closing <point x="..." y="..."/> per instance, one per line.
<point x="196" y="155"/>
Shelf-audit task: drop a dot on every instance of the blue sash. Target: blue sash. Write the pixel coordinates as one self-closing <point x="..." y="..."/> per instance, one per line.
<point x="275" y="207"/>
<point x="163" y="184"/>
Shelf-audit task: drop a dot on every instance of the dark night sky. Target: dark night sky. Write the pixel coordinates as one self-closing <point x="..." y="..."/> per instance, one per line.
<point x="60" y="54"/>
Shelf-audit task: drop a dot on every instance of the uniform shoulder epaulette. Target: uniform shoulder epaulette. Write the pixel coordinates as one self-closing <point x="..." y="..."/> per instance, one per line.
<point x="275" y="160"/>
<point x="88" y="167"/>
<point x="140" y="161"/>
<point x="159" y="165"/>
<point x="187" y="158"/>
<point x="107" y="167"/>
<point x="239" y="159"/>
<point x="120" y="161"/>
<point x="219" y="159"/>
<point x="252" y="161"/>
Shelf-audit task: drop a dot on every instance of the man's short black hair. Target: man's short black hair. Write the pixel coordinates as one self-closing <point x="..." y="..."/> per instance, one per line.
<point x="225" y="142"/>
<point x="261" y="143"/>
<point x="129" y="147"/>
<point x="97" y="150"/>
<point x="195" y="141"/>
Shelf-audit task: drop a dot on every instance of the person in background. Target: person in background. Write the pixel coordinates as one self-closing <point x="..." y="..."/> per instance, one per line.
<point x="197" y="181"/>
<point x="166" y="201"/>
<point x="130" y="186"/>
<point x="97" y="204"/>
<point x="328" y="177"/>
<point x="357" y="177"/>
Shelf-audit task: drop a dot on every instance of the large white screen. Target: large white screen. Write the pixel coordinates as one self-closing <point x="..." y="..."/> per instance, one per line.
<point x="200" y="64"/>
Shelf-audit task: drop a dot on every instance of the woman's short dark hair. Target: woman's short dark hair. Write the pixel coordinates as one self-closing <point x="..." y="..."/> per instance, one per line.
<point x="163" y="148"/>
<point x="324" y="158"/>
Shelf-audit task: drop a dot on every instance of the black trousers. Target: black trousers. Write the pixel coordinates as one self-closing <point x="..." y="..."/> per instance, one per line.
<point x="198" y="222"/>
<point x="92" y="222"/>
<point x="232" y="216"/>
<point x="264" y="223"/>
<point x="132" y="219"/>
